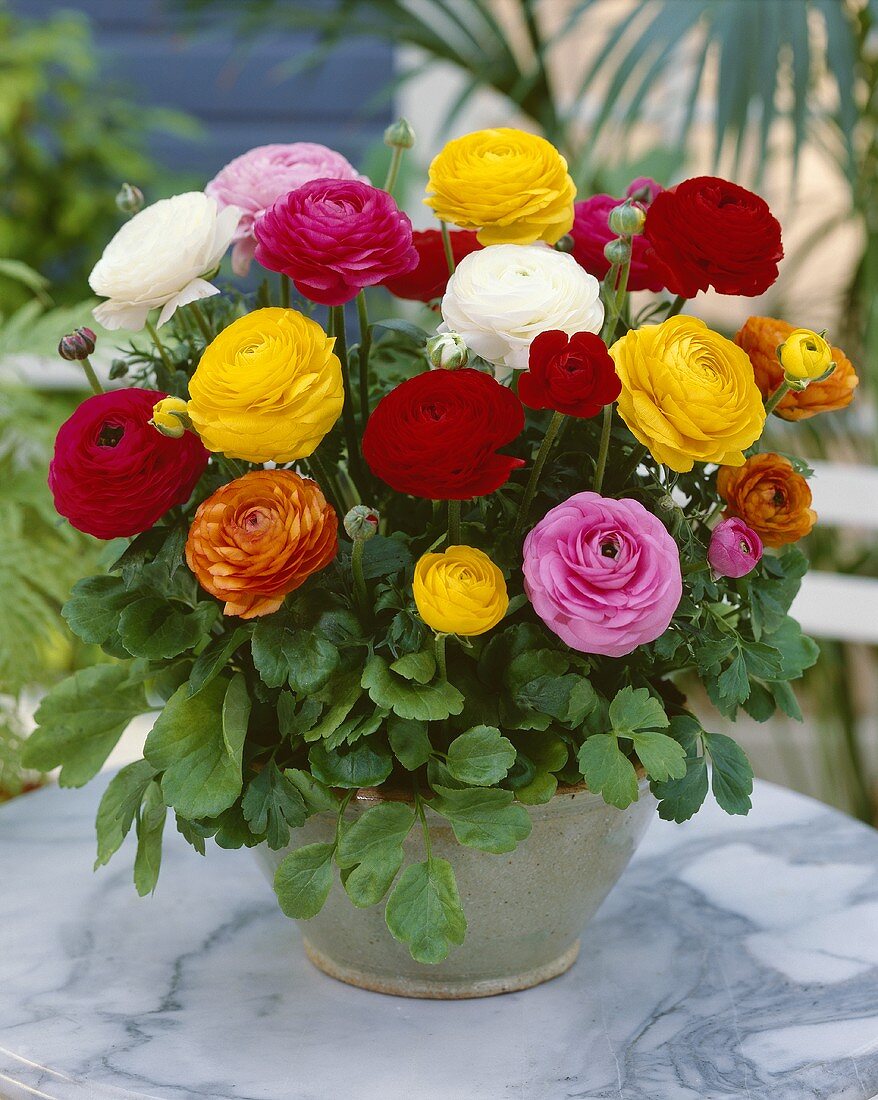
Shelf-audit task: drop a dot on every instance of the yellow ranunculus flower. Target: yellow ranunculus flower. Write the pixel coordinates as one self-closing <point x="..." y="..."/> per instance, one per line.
<point x="510" y="185"/>
<point x="171" y="417"/>
<point x="804" y="355"/>
<point x="460" y="591"/>
<point x="268" y="388"/>
<point x="688" y="394"/>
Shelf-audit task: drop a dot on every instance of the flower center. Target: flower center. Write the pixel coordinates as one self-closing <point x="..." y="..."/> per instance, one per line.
<point x="110" y="435"/>
<point x="255" y="520"/>
<point x="745" y="547"/>
<point x="779" y="499"/>
<point x="610" y="548"/>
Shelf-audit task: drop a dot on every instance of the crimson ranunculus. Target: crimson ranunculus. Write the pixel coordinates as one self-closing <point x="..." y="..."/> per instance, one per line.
<point x="333" y="237"/>
<point x="573" y="375"/>
<point x="708" y="232"/>
<point x="114" y="475"/>
<point x="429" y="279"/>
<point x="591" y="232"/>
<point x="436" y="435"/>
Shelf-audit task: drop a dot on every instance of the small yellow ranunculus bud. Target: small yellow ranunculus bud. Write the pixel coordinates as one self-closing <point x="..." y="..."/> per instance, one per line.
<point x="804" y="356"/>
<point x="460" y="591"/>
<point x="170" y="417"/>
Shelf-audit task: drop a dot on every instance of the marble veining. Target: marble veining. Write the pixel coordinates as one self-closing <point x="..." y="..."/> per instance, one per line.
<point x="737" y="958"/>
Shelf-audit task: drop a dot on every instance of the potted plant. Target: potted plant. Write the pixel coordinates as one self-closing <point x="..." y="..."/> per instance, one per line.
<point x="411" y="612"/>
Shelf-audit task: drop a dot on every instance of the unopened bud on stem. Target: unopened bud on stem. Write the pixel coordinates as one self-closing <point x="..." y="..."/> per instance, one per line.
<point x="129" y="199"/>
<point x="448" y="351"/>
<point x="399" y="135"/>
<point x="627" y="220"/>
<point x="77" y="345"/>
<point x="618" y="251"/>
<point x="361" y="523"/>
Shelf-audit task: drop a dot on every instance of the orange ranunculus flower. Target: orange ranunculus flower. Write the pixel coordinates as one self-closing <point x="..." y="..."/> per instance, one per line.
<point x="769" y="496"/>
<point x="760" y="338"/>
<point x="258" y="538"/>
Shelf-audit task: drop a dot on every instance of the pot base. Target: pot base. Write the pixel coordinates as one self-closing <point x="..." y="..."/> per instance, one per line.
<point x="436" y="989"/>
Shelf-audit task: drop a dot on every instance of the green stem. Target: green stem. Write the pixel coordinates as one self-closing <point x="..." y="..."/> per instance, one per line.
<point x="93" y="380"/>
<point x="440" y="656"/>
<point x="419" y="805"/>
<point x="446" y="244"/>
<point x="328" y="484"/>
<point x="201" y="321"/>
<point x="341" y="809"/>
<point x="634" y="460"/>
<point x="365" y="349"/>
<point x="337" y="327"/>
<point x="360" y="594"/>
<point x="782" y="390"/>
<point x="604" y="448"/>
<point x="676" y="306"/>
<point x="453" y="523"/>
<point x="537" y="468"/>
<point x="160" y="347"/>
<point x="393" y="169"/>
<point x="284" y="291"/>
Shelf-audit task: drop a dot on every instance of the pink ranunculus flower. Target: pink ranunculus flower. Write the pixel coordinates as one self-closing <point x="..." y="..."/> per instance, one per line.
<point x="591" y="232"/>
<point x="256" y="179"/>
<point x="334" y="237"/>
<point x="603" y="574"/>
<point x="735" y="548"/>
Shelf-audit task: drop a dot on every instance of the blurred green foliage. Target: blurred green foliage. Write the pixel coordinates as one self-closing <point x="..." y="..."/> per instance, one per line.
<point x="67" y="142"/>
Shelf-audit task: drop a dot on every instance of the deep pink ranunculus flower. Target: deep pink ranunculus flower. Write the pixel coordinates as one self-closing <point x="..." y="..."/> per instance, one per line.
<point x="591" y="232"/>
<point x="603" y="574"/>
<point x="735" y="548"/>
<point x="113" y="475"/>
<point x="257" y="178"/>
<point x="334" y="237"/>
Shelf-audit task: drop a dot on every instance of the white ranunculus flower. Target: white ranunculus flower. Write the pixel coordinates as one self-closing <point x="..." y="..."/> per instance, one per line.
<point x="159" y="259"/>
<point x="501" y="297"/>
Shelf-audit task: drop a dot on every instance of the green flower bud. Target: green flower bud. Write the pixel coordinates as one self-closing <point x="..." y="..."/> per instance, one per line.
<point x="617" y="252"/>
<point x="627" y="220"/>
<point x="448" y="351"/>
<point x="129" y="199"/>
<point x="399" y="135"/>
<point x="361" y="523"/>
<point x="565" y="244"/>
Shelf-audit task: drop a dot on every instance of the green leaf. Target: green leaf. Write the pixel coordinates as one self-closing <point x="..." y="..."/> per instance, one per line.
<point x="607" y="770"/>
<point x="272" y="805"/>
<point x="383" y="556"/>
<point x="211" y="661"/>
<point x="193" y="833"/>
<point x="661" y="756"/>
<point x="303" y="881"/>
<point x="316" y="796"/>
<point x="368" y="882"/>
<point x="410" y="742"/>
<point x="733" y="684"/>
<point x="362" y="766"/>
<point x="301" y="658"/>
<point x="539" y="790"/>
<point x="424" y="911"/>
<point x="120" y="803"/>
<point x="797" y="651"/>
<point x="635" y="709"/>
<point x="480" y="757"/>
<point x="158" y="629"/>
<point x="732" y="776"/>
<point x="80" y="720"/>
<point x="94" y="607"/>
<point x="680" y="798"/>
<point x="198" y="743"/>
<point x="427" y="702"/>
<point x="419" y="666"/>
<point x="371" y="851"/>
<point x="484" y="818"/>
<point x="346" y="691"/>
<point x="150" y="826"/>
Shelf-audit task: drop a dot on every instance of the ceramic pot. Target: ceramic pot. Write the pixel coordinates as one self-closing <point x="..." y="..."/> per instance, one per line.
<point x="524" y="910"/>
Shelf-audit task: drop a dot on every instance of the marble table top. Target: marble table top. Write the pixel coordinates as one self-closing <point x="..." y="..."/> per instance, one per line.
<point x="737" y="957"/>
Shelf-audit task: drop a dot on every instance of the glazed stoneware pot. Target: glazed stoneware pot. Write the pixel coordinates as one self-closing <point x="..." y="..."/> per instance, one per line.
<point x="524" y="910"/>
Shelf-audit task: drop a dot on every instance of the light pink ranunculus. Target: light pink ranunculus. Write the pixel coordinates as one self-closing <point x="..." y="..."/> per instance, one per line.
<point x="603" y="574"/>
<point x="735" y="548"/>
<point x="254" y="180"/>
<point x="334" y="237"/>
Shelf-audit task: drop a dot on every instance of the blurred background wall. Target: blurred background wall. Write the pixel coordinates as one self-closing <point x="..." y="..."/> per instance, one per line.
<point x="781" y="95"/>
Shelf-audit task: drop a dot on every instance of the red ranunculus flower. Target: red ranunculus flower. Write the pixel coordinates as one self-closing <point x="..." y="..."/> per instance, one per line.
<point x="436" y="435"/>
<point x="428" y="280"/>
<point x="708" y="232"/>
<point x="113" y="474"/>
<point x="573" y="375"/>
<point x="333" y="237"/>
<point x="591" y="232"/>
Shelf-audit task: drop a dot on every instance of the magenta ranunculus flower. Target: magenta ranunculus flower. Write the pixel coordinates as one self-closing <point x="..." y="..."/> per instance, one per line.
<point x="591" y="232"/>
<point x="334" y="237"/>
<point x="603" y="574"/>
<point x="735" y="548"/>
<point x="256" y="179"/>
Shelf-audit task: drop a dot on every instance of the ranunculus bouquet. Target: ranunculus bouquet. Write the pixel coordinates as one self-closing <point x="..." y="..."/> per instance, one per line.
<point x="470" y="567"/>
